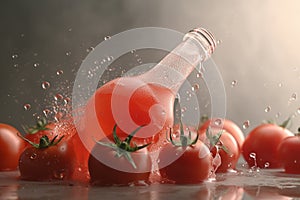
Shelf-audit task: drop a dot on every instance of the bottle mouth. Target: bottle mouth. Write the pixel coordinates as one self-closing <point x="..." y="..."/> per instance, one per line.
<point x="207" y="36"/>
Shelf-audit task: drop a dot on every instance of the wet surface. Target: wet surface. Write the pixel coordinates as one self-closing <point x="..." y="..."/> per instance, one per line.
<point x="245" y="184"/>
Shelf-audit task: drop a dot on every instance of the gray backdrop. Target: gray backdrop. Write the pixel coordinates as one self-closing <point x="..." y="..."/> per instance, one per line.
<point x="259" y="49"/>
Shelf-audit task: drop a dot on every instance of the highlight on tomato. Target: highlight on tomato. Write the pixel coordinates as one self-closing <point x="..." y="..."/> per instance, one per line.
<point x="223" y="145"/>
<point x="289" y="154"/>
<point x="119" y="162"/>
<point x="11" y="147"/>
<point x="46" y="161"/>
<point x="193" y="160"/>
<point x="261" y="144"/>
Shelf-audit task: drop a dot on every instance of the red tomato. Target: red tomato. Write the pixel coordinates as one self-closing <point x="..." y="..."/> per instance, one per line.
<point x="289" y="154"/>
<point x="66" y="128"/>
<point x="261" y="144"/>
<point x="227" y="125"/>
<point x="118" y="163"/>
<point x="186" y="161"/>
<point x="229" y="154"/>
<point x="11" y="147"/>
<point x="52" y="162"/>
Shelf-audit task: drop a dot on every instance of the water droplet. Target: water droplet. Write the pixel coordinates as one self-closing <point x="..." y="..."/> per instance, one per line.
<point x="27" y="106"/>
<point x="90" y="49"/>
<point x="68" y="53"/>
<point x="109" y="58"/>
<point x="59" y="175"/>
<point x="46" y="112"/>
<point x="280" y="84"/>
<point x="267" y="165"/>
<point x="67" y="100"/>
<point x="199" y="75"/>
<point x="252" y="155"/>
<point x="183" y="109"/>
<point x="219" y="42"/>
<point x="218" y="122"/>
<point x="246" y="124"/>
<point x="16" y="65"/>
<point x="195" y="87"/>
<point x="35" y="54"/>
<point x="298" y="110"/>
<point x="36" y="65"/>
<point x="133" y="51"/>
<point x="14" y="56"/>
<point x="59" y="72"/>
<point x="293" y="97"/>
<point x="58" y="97"/>
<point x="277" y="114"/>
<point x="107" y="37"/>
<point x="268" y="109"/>
<point x="33" y="156"/>
<point x="45" y="85"/>
<point x="233" y="83"/>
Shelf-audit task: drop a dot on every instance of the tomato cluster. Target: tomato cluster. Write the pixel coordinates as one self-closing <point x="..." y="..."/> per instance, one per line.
<point x="186" y="155"/>
<point x="273" y="146"/>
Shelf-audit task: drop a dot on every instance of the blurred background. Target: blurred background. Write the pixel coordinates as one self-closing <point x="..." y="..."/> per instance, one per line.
<point x="46" y="41"/>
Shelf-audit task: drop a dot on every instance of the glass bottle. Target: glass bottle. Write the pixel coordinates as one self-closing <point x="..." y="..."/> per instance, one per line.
<point x="145" y="100"/>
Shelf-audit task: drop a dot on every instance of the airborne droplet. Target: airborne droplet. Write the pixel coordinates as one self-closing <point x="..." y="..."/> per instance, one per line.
<point x="59" y="72"/>
<point x="14" y="56"/>
<point x="233" y="83"/>
<point x="58" y="97"/>
<point x="27" y="106"/>
<point x="218" y="122"/>
<point x="195" y="87"/>
<point x="246" y="124"/>
<point x="268" y="109"/>
<point x="45" y="85"/>
<point x="36" y="65"/>
<point x="33" y="156"/>
<point x="107" y="37"/>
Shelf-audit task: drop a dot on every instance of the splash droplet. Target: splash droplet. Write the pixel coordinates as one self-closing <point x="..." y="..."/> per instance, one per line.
<point x="298" y="110"/>
<point x="252" y="155"/>
<point x="90" y="49"/>
<point x="27" y="106"/>
<point x="33" y="156"/>
<point x="133" y="51"/>
<point x="268" y="109"/>
<point x="195" y="87"/>
<point x="219" y="42"/>
<point x="109" y="58"/>
<point x="58" y="97"/>
<point x="246" y="124"/>
<point x="267" y="165"/>
<point x="59" y="72"/>
<point x="14" y="56"/>
<point x="67" y="100"/>
<point x="68" y="53"/>
<point x="277" y="114"/>
<point x="218" y="122"/>
<point x="45" y="85"/>
<point x="280" y="84"/>
<point x="233" y="83"/>
<point x="36" y="65"/>
<point x="293" y="97"/>
<point x="199" y="75"/>
<point x="46" y="112"/>
<point x="107" y="37"/>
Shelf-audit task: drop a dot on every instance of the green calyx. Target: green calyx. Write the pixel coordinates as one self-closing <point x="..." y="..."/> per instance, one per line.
<point x="123" y="147"/>
<point x="41" y="125"/>
<point x="44" y="141"/>
<point x="285" y="124"/>
<point x="184" y="140"/>
<point x="214" y="140"/>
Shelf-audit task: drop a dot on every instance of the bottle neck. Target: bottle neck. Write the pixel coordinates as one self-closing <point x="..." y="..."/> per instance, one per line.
<point x="173" y="70"/>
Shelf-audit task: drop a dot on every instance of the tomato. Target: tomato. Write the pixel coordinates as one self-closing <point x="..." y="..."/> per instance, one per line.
<point x="289" y="154"/>
<point x="66" y="128"/>
<point x="227" y="125"/>
<point x="119" y="163"/>
<point x="46" y="161"/>
<point x="261" y="144"/>
<point x="186" y="161"/>
<point x="226" y="147"/>
<point x="11" y="147"/>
